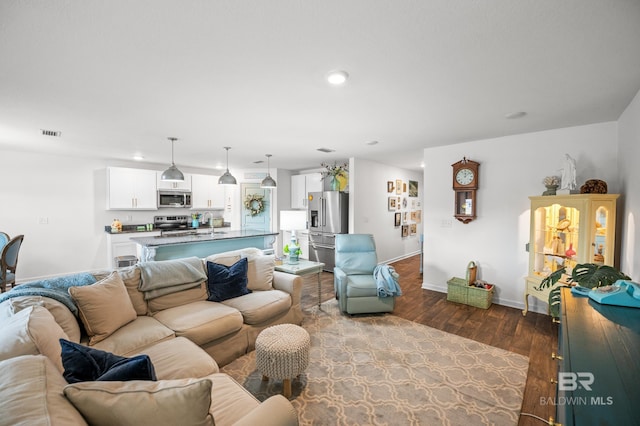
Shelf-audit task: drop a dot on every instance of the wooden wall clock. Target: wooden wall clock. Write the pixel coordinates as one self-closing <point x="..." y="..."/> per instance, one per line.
<point x="465" y="184"/>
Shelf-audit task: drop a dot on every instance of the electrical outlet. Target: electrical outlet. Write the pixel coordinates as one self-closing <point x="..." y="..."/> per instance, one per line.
<point x="446" y="223"/>
<point x="43" y="220"/>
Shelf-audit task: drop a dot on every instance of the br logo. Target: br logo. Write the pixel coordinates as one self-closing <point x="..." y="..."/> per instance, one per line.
<point x="569" y="381"/>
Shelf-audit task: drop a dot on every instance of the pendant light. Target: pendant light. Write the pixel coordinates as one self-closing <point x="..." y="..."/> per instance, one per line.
<point x="172" y="174"/>
<point x="227" y="178"/>
<point x="268" y="181"/>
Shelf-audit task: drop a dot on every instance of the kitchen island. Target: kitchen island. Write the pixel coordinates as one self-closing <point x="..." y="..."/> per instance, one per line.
<point x="201" y="244"/>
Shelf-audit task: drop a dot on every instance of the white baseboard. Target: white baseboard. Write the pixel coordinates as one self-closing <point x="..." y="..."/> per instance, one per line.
<point x="533" y="305"/>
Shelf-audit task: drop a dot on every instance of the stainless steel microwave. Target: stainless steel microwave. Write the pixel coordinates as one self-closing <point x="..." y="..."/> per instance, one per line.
<point x="174" y="198"/>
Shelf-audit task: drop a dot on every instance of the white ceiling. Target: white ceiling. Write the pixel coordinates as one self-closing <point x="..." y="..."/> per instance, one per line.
<point x="119" y="77"/>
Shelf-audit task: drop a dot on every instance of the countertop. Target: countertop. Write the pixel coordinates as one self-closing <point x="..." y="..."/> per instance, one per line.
<point x="200" y="237"/>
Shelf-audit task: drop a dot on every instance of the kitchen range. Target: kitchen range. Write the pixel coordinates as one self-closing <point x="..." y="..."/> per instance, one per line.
<point x="328" y="215"/>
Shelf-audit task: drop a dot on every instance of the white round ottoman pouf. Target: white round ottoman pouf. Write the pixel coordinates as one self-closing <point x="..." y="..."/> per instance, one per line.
<point x="282" y="352"/>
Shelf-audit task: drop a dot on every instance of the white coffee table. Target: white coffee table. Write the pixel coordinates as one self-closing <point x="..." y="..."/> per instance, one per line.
<point x="304" y="267"/>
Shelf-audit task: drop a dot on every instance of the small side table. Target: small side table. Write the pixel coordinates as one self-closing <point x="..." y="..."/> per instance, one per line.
<point x="304" y="267"/>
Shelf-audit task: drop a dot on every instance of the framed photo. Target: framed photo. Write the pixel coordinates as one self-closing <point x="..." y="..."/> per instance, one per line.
<point x="413" y="188"/>
<point x="404" y="217"/>
<point x="404" y="187"/>
<point x="398" y="186"/>
<point x="413" y="216"/>
<point x="413" y="229"/>
<point x="390" y="187"/>
<point x="405" y="231"/>
<point x="393" y="203"/>
<point x="404" y="202"/>
<point x="398" y="203"/>
<point x="396" y="220"/>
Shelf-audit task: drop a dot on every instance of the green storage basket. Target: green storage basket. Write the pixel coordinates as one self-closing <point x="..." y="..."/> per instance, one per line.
<point x="457" y="290"/>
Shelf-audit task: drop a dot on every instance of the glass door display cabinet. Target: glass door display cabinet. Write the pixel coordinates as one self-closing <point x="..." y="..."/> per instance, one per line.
<point x="567" y="230"/>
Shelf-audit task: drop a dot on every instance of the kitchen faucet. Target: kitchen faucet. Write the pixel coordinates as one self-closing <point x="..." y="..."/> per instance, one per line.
<point x="204" y="217"/>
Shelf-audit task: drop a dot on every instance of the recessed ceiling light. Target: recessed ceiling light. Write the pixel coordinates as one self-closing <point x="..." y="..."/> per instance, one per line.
<point x="337" y="78"/>
<point x="327" y="150"/>
<point x="517" y="114"/>
<point x="371" y="143"/>
<point x="138" y="157"/>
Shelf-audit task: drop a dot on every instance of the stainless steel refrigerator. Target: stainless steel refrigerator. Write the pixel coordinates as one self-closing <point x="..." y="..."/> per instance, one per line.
<point x="328" y="215"/>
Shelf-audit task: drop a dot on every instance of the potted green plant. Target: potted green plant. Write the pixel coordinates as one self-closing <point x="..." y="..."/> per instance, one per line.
<point x="588" y="275"/>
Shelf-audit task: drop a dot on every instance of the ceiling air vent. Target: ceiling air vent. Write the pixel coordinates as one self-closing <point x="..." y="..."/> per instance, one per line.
<point x="326" y="150"/>
<point x="54" y="133"/>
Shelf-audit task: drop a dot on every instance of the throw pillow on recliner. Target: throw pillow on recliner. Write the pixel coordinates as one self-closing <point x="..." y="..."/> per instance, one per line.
<point x="226" y="282"/>
<point x="85" y="364"/>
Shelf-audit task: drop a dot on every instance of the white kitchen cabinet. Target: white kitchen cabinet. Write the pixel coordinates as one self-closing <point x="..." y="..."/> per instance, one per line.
<point x="131" y="189"/>
<point x="185" y="185"/>
<point x="301" y="185"/>
<point x="121" y="245"/>
<point x="207" y="193"/>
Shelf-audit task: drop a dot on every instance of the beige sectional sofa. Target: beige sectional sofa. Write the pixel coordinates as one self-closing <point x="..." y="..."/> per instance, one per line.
<point x="186" y="337"/>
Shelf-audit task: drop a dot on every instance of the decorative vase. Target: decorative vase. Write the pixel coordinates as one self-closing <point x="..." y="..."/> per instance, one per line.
<point x="294" y="257"/>
<point x="335" y="184"/>
<point x="195" y="223"/>
<point x="551" y="190"/>
<point x="571" y="252"/>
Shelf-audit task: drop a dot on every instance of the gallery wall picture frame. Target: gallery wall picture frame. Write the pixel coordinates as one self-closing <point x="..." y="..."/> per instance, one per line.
<point x="398" y="203"/>
<point x="404" y="217"/>
<point x="396" y="220"/>
<point x="404" y="187"/>
<point x="405" y="231"/>
<point x="398" y="186"/>
<point x="390" y="186"/>
<point x="392" y="203"/>
<point x="413" y="188"/>
<point x="413" y="229"/>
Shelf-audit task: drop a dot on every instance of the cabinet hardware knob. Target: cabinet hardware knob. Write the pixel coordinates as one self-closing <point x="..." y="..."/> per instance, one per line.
<point x="555" y="321"/>
<point x="554" y="381"/>
<point x="554" y="356"/>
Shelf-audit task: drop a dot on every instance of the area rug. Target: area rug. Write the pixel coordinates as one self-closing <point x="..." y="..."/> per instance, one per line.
<point x="384" y="370"/>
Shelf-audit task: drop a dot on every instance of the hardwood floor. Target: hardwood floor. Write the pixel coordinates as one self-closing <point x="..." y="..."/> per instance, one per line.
<point x="534" y="335"/>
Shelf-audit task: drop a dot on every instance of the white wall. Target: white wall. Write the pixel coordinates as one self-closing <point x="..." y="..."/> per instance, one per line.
<point x="629" y="149"/>
<point x="368" y="213"/>
<point x="511" y="169"/>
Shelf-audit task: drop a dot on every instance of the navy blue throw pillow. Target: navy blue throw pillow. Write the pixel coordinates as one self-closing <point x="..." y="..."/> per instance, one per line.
<point x="84" y="364"/>
<point x="227" y="282"/>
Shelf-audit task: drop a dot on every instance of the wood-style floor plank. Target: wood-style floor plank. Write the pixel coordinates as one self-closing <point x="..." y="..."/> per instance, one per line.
<point x="533" y="336"/>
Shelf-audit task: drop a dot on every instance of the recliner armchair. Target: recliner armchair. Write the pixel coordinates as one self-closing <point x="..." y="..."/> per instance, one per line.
<point x="355" y="286"/>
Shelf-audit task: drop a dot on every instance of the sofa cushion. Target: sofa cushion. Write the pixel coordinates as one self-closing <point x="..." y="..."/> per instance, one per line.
<point x="261" y="306"/>
<point x="180" y="358"/>
<point x="201" y="322"/>
<point x="179" y="298"/>
<point x="131" y="277"/>
<point x="103" y="307"/>
<point x="82" y="364"/>
<point x="260" y="272"/>
<point x="227" y="282"/>
<point x="135" y="336"/>
<point x="362" y="286"/>
<point x="31" y="393"/>
<point x="63" y="316"/>
<point x="166" y="402"/>
<point x="229" y="400"/>
<point x="32" y="331"/>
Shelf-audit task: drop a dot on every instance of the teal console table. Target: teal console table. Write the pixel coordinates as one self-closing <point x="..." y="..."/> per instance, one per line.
<point x="599" y="363"/>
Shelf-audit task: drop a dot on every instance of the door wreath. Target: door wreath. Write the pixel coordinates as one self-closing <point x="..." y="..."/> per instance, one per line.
<point x="254" y="203"/>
